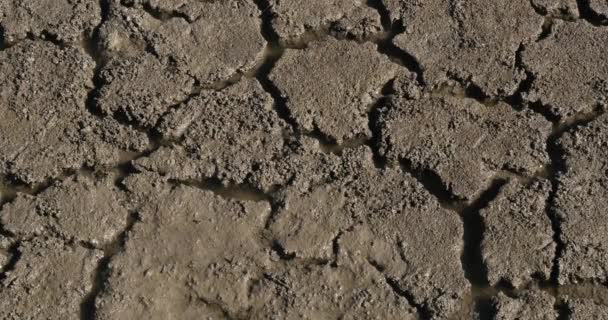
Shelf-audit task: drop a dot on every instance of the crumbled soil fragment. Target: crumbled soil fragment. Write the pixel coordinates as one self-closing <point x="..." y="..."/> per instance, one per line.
<point x="337" y="83"/>
<point x="580" y="203"/>
<point x="350" y="291"/>
<point x="557" y="8"/>
<point x="470" y="41"/>
<point x="141" y="89"/>
<point x="353" y="18"/>
<point x="79" y="208"/>
<point x="518" y="239"/>
<point x="49" y="281"/>
<point x="530" y="305"/>
<point x="385" y="218"/>
<point x="462" y="141"/>
<point x="220" y="39"/>
<point x="68" y="21"/>
<point x="193" y="255"/>
<point x="569" y="68"/>
<point x="582" y="309"/>
<point x="45" y="128"/>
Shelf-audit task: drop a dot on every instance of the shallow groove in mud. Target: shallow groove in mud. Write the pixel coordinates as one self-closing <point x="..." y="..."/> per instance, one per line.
<point x="422" y="311"/>
<point x="99" y="277"/>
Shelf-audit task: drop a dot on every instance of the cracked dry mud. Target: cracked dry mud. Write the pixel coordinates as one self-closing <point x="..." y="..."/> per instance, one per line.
<point x="281" y="159"/>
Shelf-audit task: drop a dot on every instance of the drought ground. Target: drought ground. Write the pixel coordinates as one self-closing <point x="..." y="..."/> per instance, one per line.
<point x="284" y="159"/>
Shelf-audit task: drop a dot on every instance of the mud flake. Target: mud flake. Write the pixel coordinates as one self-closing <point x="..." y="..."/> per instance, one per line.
<point x="600" y="8"/>
<point x="580" y="203"/>
<point x="557" y="8"/>
<point x="586" y="309"/>
<point x="292" y="18"/>
<point x="49" y="281"/>
<point x="141" y="89"/>
<point x="45" y="128"/>
<point x="518" y="240"/>
<point x="64" y="20"/>
<point x="532" y="304"/>
<point x="570" y="68"/>
<point x="377" y="215"/>
<point x="469" y="41"/>
<point x="226" y="135"/>
<point x="79" y="208"/>
<point x="337" y="82"/>
<point x="349" y="291"/>
<point x="462" y="141"/>
<point x="193" y="254"/>
<point x="204" y="47"/>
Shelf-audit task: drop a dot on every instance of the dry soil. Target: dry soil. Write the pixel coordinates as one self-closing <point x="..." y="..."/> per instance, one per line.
<point x="322" y="159"/>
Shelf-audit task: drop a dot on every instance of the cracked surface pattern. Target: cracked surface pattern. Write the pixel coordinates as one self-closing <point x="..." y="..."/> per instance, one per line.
<point x="282" y="159"/>
<point x="62" y="20"/>
<point x="463" y="40"/>
<point x="551" y="60"/>
<point x="338" y="82"/>
<point x="49" y="280"/>
<point x="518" y="217"/>
<point x="461" y="141"/>
<point x="46" y="128"/>
<point x="580" y="202"/>
<point x="200" y="37"/>
<point x="344" y="17"/>
<point x="534" y="305"/>
<point x="557" y="8"/>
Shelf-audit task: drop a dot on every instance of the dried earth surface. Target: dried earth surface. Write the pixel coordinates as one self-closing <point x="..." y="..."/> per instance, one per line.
<point x="282" y="159"/>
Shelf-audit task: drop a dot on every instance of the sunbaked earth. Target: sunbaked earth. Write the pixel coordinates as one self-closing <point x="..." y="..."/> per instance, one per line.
<point x="282" y="159"/>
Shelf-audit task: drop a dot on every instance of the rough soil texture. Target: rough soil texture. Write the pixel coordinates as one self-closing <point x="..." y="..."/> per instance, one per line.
<point x="586" y="309"/>
<point x="282" y="159"/>
<point x="580" y="203"/>
<point x="57" y="20"/>
<point x="550" y="60"/>
<point x="461" y="141"/>
<point x="566" y="9"/>
<point x="339" y="80"/>
<point x="346" y="18"/>
<point x="600" y="9"/>
<point x="473" y="42"/>
<point x="518" y="240"/>
<point x="533" y="305"/>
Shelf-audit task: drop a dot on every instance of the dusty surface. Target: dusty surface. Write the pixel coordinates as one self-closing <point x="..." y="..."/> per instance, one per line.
<point x="464" y="40"/>
<point x="59" y="20"/>
<point x="266" y="159"/>
<point x="346" y="18"/>
<point x="580" y="203"/>
<point x="533" y="305"/>
<point x="49" y="281"/>
<point x="518" y="240"/>
<point x="461" y="141"/>
<point x="567" y="9"/>
<point x="339" y="80"/>
<point x="586" y="309"/>
<point x="550" y="60"/>
<point x="46" y="128"/>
